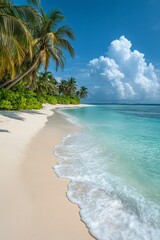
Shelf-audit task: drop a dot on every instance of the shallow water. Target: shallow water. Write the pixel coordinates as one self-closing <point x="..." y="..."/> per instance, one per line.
<point x="114" y="168"/>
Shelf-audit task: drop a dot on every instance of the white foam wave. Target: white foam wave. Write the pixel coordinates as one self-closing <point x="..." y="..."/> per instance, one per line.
<point x="110" y="209"/>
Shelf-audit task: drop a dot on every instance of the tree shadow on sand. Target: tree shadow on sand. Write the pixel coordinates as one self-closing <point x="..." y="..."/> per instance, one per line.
<point x="16" y="115"/>
<point x="5" y="131"/>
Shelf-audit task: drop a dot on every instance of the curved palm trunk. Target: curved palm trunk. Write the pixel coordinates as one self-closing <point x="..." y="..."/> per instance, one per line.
<point x="11" y="82"/>
<point x="6" y="82"/>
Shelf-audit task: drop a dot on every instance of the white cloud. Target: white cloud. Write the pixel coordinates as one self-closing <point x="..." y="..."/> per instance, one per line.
<point x="122" y="75"/>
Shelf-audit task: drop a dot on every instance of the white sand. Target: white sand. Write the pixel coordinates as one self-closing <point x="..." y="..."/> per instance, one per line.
<point x="33" y="202"/>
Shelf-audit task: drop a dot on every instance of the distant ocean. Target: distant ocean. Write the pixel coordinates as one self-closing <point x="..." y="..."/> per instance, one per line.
<point x="114" y="167"/>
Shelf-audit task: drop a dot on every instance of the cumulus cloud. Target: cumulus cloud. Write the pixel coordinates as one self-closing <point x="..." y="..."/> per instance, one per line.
<point x="122" y="75"/>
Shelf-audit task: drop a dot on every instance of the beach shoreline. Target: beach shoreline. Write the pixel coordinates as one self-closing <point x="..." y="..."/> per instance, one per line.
<point x="34" y="205"/>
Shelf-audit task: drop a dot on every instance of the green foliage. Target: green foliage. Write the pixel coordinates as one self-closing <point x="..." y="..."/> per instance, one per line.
<point x="63" y="99"/>
<point x="41" y="99"/>
<point x="83" y="92"/>
<point x="44" y="84"/>
<point x="51" y="99"/>
<point x="20" y="103"/>
<point x="18" y="99"/>
<point x="33" y="103"/>
<point x="67" y="100"/>
<point x="5" y="104"/>
<point x="21" y="97"/>
<point x="30" y="38"/>
<point x="74" y="100"/>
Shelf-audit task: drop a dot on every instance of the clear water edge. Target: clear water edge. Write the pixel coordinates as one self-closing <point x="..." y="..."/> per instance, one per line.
<point x="113" y="204"/>
<point x="54" y="168"/>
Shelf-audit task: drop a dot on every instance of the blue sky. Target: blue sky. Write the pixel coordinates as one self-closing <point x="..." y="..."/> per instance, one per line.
<point x="96" y="24"/>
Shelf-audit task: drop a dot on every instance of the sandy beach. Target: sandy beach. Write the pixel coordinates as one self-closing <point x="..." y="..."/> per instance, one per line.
<point x="34" y="205"/>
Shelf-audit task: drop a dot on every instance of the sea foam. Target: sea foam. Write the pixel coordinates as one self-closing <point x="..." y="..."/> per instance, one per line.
<point x="111" y="209"/>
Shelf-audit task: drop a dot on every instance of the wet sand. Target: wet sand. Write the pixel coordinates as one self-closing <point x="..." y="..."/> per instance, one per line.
<point x="34" y="205"/>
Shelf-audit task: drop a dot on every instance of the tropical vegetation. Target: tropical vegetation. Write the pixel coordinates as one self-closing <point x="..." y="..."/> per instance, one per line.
<point x="46" y="89"/>
<point x="29" y="39"/>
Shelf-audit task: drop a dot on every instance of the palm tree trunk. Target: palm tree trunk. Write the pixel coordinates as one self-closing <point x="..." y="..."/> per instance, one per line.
<point x="11" y="82"/>
<point x="6" y="82"/>
<point x="30" y="69"/>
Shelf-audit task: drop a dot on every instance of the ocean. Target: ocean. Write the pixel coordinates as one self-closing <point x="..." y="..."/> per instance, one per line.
<point x="113" y="164"/>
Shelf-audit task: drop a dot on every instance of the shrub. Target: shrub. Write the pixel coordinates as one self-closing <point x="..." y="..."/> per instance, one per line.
<point x="33" y="103"/>
<point x="74" y="100"/>
<point x="67" y="100"/>
<point x="20" y="103"/>
<point x="41" y="99"/>
<point x="5" y="104"/>
<point x="19" y="98"/>
<point x="63" y="100"/>
<point x="20" y="87"/>
<point x="51" y="99"/>
<point x="4" y="93"/>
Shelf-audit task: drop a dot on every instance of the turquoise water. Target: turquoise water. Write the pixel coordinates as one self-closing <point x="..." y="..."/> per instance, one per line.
<point x="114" y="168"/>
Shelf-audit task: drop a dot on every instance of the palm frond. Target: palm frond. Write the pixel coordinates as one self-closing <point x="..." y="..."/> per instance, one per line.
<point x="8" y="62"/>
<point x="54" y="18"/>
<point x="45" y="58"/>
<point x="58" y="57"/>
<point x="36" y="3"/>
<point x="5" y="2"/>
<point x="36" y="41"/>
<point x="28" y="14"/>
<point x="63" y="43"/>
<point x="10" y="25"/>
<point x="27" y="30"/>
<point x="65" y="31"/>
<point x="50" y="36"/>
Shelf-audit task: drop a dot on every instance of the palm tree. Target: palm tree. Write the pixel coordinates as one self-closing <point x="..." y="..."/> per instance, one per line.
<point x="77" y="93"/>
<point x="82" y="93"/>
<point x="45" y="84"/>
<point x="71" y="86"/>
<point x="48" y="44"/>
<point x="15" y="37"/>
<point x="63" y="88"/>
